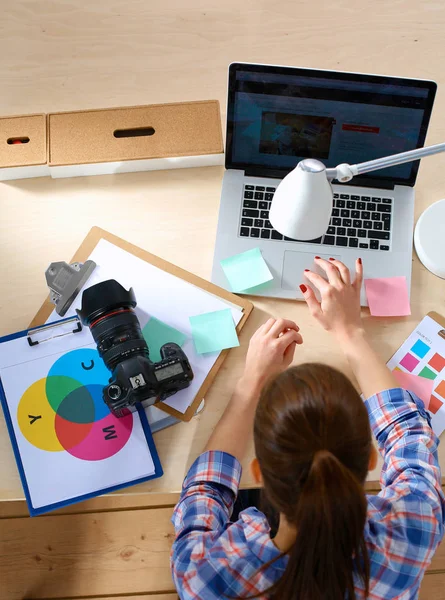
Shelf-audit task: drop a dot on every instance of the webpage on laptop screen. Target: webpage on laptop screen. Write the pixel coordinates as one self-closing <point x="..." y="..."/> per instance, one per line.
<point x="279" y="129"/>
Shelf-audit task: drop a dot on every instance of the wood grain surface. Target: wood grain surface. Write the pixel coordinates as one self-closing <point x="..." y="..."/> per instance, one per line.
<point x="61" y="55"/>
<point x="87" y="554"/>
<point x="64" y="55"/>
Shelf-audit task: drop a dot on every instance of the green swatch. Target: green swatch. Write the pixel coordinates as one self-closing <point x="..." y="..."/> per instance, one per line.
<point x="214" y="331"/>
<point x="427" y="373"/>
<point x="156" y="334"/>
<point x="246" y="270"/>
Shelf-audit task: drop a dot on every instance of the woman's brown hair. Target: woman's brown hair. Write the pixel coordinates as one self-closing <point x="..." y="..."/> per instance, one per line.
<point x="313" y="444"/>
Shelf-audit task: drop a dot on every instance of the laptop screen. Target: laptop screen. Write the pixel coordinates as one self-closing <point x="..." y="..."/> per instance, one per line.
<point x="278" y="116"/>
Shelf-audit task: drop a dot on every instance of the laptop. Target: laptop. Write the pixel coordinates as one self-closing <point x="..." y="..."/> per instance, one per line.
<point x="277" y="116"/>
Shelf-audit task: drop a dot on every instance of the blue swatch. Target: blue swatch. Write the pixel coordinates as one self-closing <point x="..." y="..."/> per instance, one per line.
<point x="420" y="349"/>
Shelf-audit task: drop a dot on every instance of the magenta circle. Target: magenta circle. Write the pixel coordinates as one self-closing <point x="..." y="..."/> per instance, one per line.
<point x="106" y="438"/>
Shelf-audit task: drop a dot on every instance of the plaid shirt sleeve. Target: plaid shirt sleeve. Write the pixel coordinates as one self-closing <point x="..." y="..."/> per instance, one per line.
<point x="202" y="514"/>
<point x="406" y="520"/>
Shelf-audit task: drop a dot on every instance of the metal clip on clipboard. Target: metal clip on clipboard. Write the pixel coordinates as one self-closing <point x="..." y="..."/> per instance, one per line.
<point x="65" y="282"/>
<point x="38" y="335"/>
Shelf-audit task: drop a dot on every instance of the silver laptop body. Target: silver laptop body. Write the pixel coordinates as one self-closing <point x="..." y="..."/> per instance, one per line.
<point x="277" y="116"/>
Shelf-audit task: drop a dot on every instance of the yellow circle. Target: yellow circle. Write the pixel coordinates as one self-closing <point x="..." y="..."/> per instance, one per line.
<point x="36" y="418"/>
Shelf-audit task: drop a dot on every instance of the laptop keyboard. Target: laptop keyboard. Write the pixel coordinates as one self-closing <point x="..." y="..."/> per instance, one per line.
<point x="356" y="221"/>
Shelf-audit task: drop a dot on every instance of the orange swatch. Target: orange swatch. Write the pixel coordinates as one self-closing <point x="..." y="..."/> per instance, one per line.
<point x="441" y="389"/>
<point x="437" y="362"/>
<point x="435" y="404"/>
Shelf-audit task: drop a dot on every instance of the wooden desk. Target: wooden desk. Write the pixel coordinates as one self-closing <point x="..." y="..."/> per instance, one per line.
<point x="106" y="53"/>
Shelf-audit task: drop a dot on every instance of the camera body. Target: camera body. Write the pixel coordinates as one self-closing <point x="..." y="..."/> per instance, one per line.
<point x="107" y="309"/>
<point x="138" y="379"/>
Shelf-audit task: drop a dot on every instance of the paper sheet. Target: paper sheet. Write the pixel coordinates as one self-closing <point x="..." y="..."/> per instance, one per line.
<point x="214" y="331"/>
<point x="413" y="383"/>
<point x="246" y="270"/>
<point x="388" y="296"/>
<point x="164" y="296"/>
<point x="427" y="361"/>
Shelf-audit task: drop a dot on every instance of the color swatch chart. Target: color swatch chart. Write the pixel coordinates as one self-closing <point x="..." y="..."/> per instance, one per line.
<point x="423" y="354"/>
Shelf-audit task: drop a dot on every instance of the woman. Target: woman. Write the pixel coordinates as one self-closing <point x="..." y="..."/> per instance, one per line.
<point x="313" y="446"/>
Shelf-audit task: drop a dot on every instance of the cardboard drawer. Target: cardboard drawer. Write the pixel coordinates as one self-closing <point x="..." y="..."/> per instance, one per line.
<point x="23" y="147"/>
<point x="158" y="131"/>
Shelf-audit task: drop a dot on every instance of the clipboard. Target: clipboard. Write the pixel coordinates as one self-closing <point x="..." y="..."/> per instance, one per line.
<point x="435" y="316"/>
<point x="32" y="338"/>
<point x="84" y="251"/>
<point x="422" y="355"/>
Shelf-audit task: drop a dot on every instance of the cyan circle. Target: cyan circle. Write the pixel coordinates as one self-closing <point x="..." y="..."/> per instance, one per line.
<point x="80" y="374"/>
<point x="85" y="365"/>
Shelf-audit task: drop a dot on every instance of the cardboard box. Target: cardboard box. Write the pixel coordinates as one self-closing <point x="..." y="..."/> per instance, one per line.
<point x="140" y="138"/>
<point x="23" y="147"/>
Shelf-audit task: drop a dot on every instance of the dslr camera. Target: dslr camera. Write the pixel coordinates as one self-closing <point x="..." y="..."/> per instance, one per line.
<point x="107" y="309"/>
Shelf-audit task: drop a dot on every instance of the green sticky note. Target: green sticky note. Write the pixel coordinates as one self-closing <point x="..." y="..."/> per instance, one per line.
<point x="214" y="331"/>
<point x="427" y="373"/>
<point x="156" y="334"/>
<point x="246" y="270"/>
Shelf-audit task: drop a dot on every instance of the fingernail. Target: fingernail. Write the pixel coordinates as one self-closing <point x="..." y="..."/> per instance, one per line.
<point x="303" y="288"/>
<point x="332" y="259"/>
<point x="306" y="270"/>
<point x="359" y="261"/>
<point x="317" y="257"/>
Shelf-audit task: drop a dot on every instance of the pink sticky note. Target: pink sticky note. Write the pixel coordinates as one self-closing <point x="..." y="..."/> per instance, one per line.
<point x="419" y="385"/>
<point x="388" y="296"/>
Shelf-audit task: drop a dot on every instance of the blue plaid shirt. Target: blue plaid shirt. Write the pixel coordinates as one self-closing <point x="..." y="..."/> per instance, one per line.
<point x="213" y="558"/>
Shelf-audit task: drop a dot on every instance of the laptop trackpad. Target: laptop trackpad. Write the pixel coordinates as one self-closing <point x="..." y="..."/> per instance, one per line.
<point x="296" y="262"/>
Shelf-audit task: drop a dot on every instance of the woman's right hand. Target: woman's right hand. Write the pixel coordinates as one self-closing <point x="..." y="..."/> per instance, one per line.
<point x="339" y="310"/>
<point x="271" y="350"/>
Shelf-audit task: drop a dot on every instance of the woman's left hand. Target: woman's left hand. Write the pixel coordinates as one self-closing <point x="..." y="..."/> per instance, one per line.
<point x="271" y="350"/>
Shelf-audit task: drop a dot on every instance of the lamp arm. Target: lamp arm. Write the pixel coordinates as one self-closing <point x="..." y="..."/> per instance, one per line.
<point x="346" y="172"/>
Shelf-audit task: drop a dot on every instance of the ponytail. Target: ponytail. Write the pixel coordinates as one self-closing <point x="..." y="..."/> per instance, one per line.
<point x="313" y="443"/>
<point x="330" y="546"/>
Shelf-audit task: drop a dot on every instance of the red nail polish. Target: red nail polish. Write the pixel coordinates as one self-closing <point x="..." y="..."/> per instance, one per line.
<point x="317" y="257"/>
<point x="332" y="259"/>
<point x="303" y="288"/>
<point x="306" y="270"/>
<point x="359" y="261"/>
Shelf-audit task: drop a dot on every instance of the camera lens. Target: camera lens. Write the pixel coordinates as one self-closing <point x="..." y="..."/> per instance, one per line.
<point x="107" y="308"/>
<point x="102" y="298"/>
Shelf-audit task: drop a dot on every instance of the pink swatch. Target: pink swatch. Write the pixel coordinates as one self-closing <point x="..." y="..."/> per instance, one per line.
<point x="419" y="385"/>
<point x="410" y="362"/>
<point x="388" y="296"/>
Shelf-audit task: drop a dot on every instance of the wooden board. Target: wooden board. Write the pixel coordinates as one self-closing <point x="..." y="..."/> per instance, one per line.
<point x="84" y="251"/>
<point x="172" y="596"/>
<point x="110" y="502"/>
<point x="105" y="554"/>
<point x="138" y="597"/>
<point x="102" y="553"/>
<point x="438" y="562"/>
<point x="433" y="586"/>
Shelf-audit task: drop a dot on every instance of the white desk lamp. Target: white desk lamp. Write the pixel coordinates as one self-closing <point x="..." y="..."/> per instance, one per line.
<point x="302" y="205"/>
